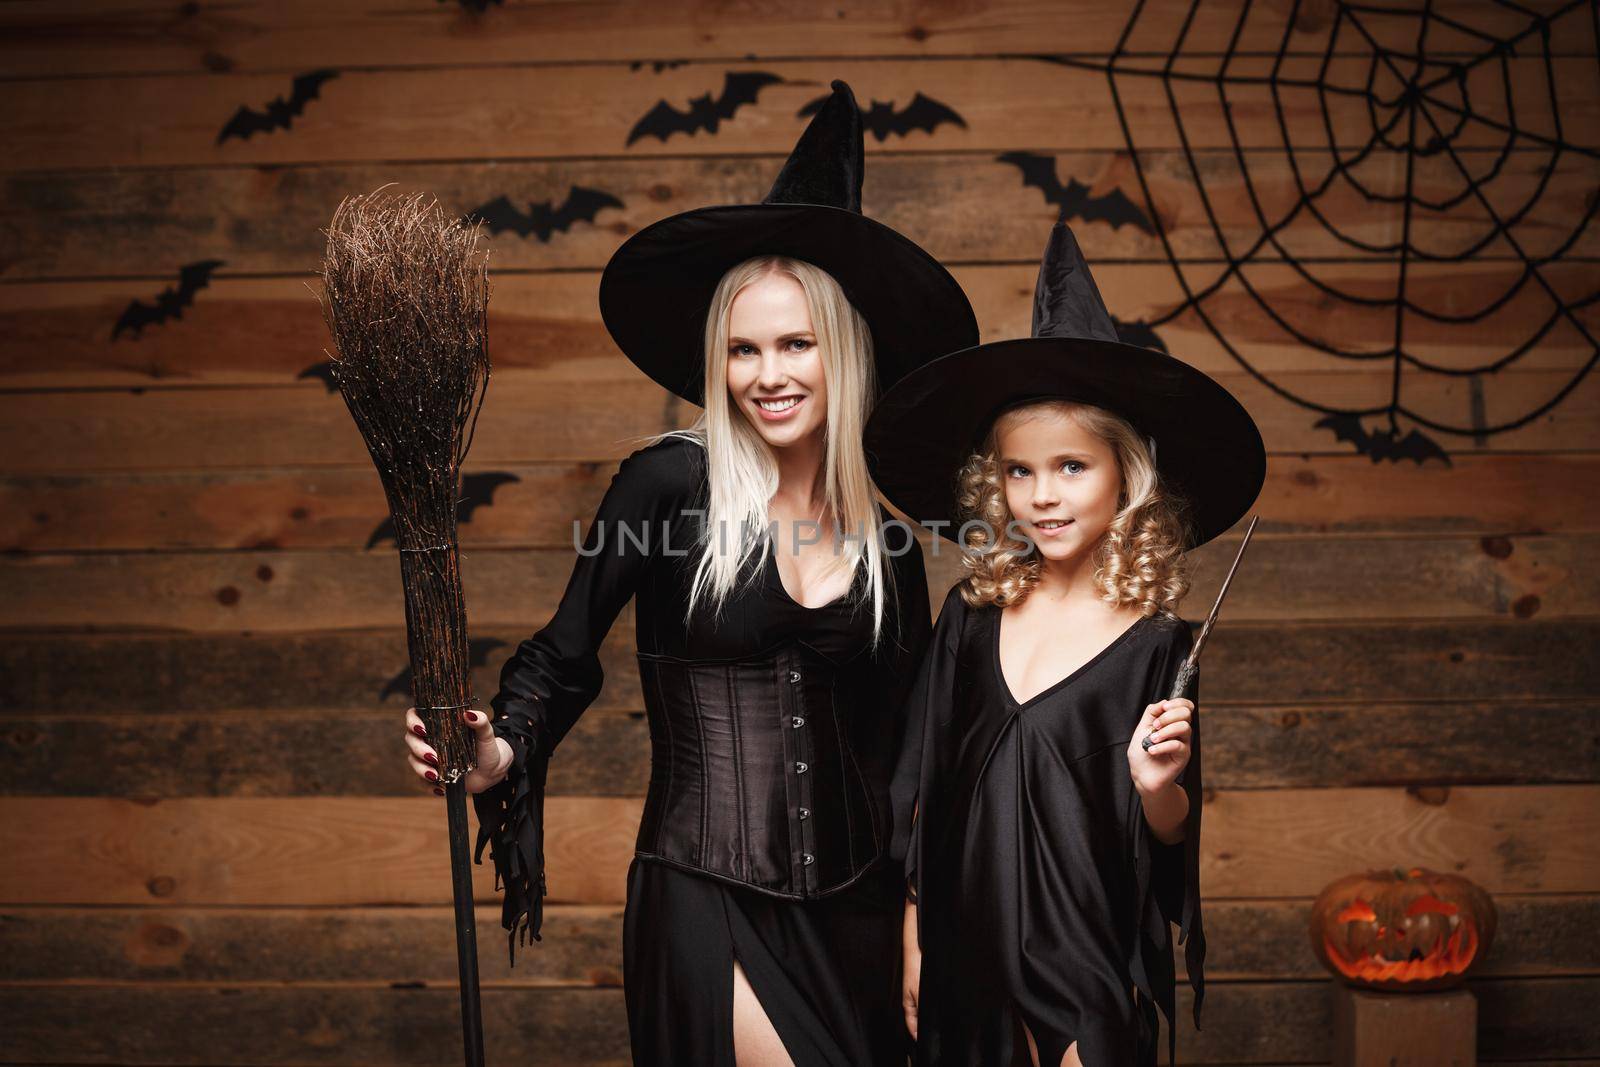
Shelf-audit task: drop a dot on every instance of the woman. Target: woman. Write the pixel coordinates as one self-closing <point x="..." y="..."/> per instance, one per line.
<point x="760" y="926"/>
<point x="1055" y="780"/>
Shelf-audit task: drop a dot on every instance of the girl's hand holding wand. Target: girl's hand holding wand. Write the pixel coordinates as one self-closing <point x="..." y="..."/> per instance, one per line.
<point x="1156" y="768"/>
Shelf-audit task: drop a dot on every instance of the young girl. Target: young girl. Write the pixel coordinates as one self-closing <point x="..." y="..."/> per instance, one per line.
<point x="1051" y="845"/>
<point x="761" y="926"/>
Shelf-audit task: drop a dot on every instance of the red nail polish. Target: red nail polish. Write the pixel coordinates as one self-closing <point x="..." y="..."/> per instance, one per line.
<point x="438" y="792"/>
<point x="429" y="757"/>
<point x="472" y="717"/>
<point x="432" y="777"/>
<point x="419" y="731"/>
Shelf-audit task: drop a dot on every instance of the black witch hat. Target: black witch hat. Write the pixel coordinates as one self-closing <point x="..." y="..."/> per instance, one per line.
<point x="1207" y="447"/>
<point x="657" y="288"/>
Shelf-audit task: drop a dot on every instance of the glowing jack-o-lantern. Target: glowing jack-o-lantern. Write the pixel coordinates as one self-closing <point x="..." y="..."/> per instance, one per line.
<point x="1402" y="929"/>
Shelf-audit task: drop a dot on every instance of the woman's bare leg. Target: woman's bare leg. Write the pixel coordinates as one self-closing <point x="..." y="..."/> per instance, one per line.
<point x="755" y="1041"/>
<point x="1068" y="1058"/>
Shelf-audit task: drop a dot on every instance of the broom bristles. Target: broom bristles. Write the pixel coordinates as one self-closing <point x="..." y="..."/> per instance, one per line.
<point x="405" y="296"/>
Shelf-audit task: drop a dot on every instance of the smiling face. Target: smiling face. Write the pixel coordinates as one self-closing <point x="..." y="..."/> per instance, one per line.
<point x="775" y="372"/>
<point x="1062" y="482"/>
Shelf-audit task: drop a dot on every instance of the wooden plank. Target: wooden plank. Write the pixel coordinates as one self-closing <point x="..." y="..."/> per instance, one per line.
<point x="213" y="429"/>
<point x="344" y="508"/>
<point x="335" y="752"/>
<point x="77" y="37"/>
<point x="260" y="753"/>
<point x="1477" y="494"/>
<point x="1254" y="940"/>
<point x="288" y="426"/>
<point x="1425" y="661"/>
<point x="117" y="223"/>
<point x="1504" y="838"/>
<point x="362" y="850"/>
<point x="1277" y="666"/>
<point x="1533" y="1019"/>
<point x="346" y="1027"/>
<point x="581" y="946"/>
<point x="269" y="332"/>
<point x="1396" y="744"/>
<point x="304" y="509"/>
<point x="589" y="110"/>
<point x="314" y="668"/>
<point x="1268" y="940"/>
<point x="1291" y="1022"/>
<point x="324" y="850"/>
<point x="1275" y="1023"/>
<point x="1299" y="579"/>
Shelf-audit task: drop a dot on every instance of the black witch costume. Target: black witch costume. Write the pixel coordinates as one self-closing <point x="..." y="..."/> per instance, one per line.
<point x="1043" y="895"/>
<point x="773" y="726"/>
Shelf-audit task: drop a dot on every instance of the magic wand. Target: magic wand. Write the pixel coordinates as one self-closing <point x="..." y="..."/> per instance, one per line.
<point x="1192" y="664"/>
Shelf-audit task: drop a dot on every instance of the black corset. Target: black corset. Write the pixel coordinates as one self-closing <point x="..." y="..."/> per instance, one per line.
<point x="773" y="726"/>
<point x="754" y="776"/>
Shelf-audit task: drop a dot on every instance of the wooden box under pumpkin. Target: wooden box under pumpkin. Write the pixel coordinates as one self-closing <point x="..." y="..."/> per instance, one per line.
<point x="1402" y="930"/>
<point x="1431" y="1029"/>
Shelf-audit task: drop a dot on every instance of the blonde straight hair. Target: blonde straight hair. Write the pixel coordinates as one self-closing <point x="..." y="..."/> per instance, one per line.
<point x="743" y="472"/>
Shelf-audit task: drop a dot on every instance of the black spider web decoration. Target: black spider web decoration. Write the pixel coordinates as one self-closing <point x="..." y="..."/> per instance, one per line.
<point x="1419" y="109"/>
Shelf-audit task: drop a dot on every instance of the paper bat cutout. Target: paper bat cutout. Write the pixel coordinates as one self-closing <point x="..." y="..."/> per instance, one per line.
<point x="477" y="490"/>
<point x="323" y="372"/>
<point x="657" y="65"/>
<point x="280" y="113"/>
<point x="192" y="277"/>
<point x="738" y="88"/>
<point x="1139" y="333"/>
<point x="541" y="220"/>
<point x="1384" y="444"/>
<point x="1073" y="198"/>
<point x="477" y="7"/>
<point x="881" y="120"/>
<point x="478" y="649"/>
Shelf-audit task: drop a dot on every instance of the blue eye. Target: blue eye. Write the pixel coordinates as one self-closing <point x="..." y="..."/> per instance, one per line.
<point x="741" y="350"/>
<point x="1011" y="471"/>
<point x="802" y="343"/>
<point x="1072" y="466"/>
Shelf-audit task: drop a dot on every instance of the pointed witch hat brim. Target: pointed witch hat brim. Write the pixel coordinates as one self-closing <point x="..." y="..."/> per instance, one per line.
<point x="657" y="288"/>
<point x="1208" y="449"/>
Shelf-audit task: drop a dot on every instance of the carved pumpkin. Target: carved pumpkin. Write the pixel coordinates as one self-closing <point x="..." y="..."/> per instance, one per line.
<point x="1402" y="929"/>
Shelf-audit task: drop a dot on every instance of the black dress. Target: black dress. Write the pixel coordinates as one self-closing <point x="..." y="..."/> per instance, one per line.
<point x="1041" y="890"/>
<point x="766" y="826"/>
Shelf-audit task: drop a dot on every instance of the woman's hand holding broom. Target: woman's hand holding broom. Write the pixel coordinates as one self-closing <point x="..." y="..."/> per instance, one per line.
<point x="494" y="753"/>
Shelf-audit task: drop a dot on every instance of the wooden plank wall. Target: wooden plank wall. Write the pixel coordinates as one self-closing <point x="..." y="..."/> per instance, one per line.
<point x="213" y="852"/>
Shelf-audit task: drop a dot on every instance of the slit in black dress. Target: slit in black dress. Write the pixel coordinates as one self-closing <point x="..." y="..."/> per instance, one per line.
<point x="1019" y="1043"/>
<point x="733" y="1013"/>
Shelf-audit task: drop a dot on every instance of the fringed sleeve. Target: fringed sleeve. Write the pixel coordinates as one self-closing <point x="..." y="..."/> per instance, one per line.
<point x="511" y="825"/>
<point x="553" y="676"/>
<point x="1167" y="890"/>
<point x="924" y="711"/>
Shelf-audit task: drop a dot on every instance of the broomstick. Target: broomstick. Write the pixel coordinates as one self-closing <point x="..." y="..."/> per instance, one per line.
<point x="405" y="295"/>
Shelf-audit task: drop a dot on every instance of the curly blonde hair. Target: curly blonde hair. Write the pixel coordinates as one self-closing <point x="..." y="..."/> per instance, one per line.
<point x="1139" y="560"/>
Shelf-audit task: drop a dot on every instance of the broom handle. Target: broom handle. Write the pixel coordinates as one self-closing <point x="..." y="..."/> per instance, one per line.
<point x="455" y="799"/>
